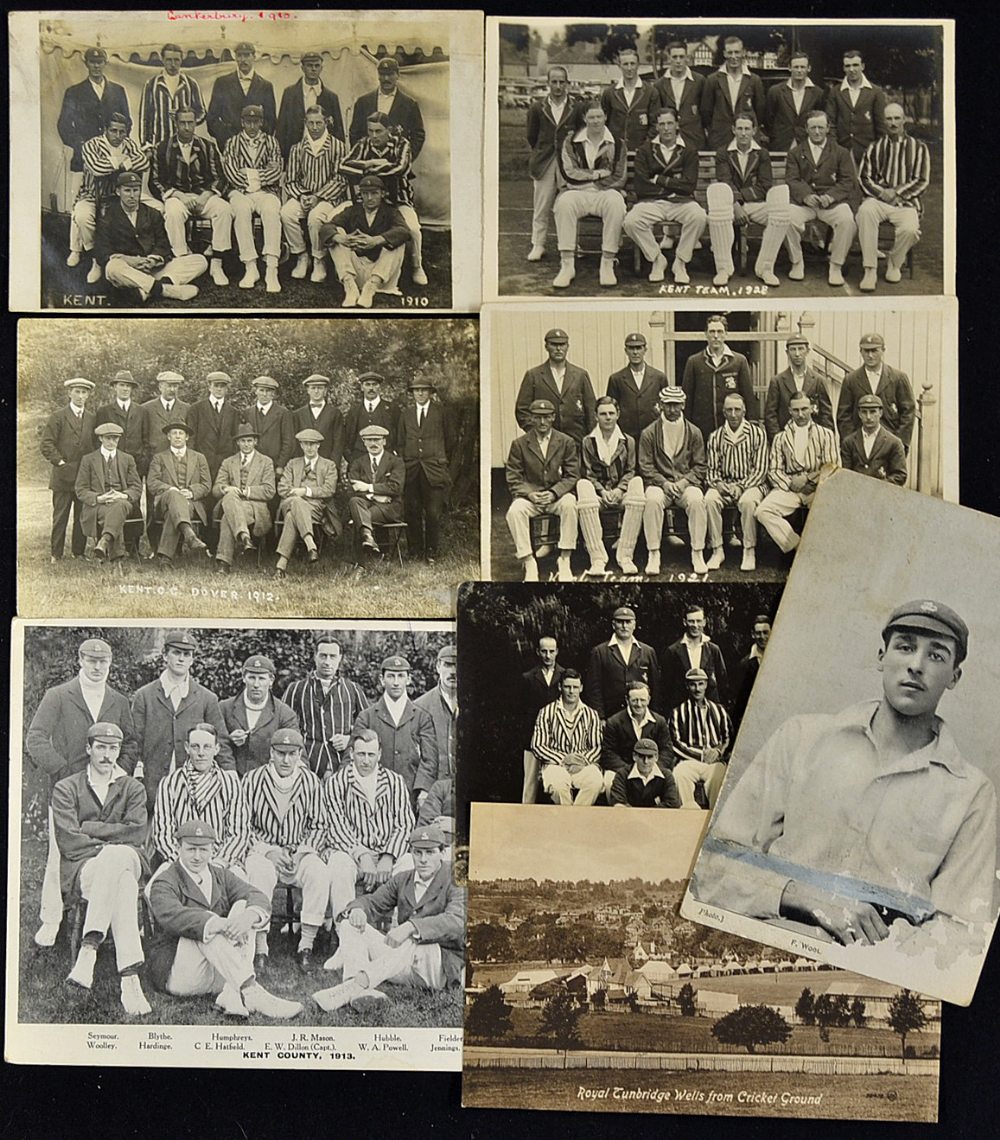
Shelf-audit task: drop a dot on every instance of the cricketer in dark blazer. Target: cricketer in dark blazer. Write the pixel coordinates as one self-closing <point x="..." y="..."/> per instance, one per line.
<point x="639" y="407"/>
<point x="887" y="460"/>
<point x="404" y="113"/>
<point x="292" y="116"/>
<point x="227" y="103"/>
<point x="575" y="404"/>
<point x="83" y="115"/>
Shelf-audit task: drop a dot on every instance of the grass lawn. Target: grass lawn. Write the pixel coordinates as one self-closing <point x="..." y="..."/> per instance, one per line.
<point x="882" y="1097"/>
<point x="44" y="999"/>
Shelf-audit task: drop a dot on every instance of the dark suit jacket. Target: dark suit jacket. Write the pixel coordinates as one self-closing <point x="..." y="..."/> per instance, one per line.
<point x="256" y="750"/>
<point x="330" y="422"/>
<point x="576" y="411"/>
<point x="557" y="472"/>
<point x="539" y="694"/>
<point x="633" y="124"/>
<point x="786" y="126"/>
<point x="390" y="475"/>
<point x="639" y="406"/>
<point x="545" y="136"/>
<point x="162" y="475"/>
<point x="292" y="116"/>
<point x="153" y="421"/>
<point x="64" y="442"/>
<point x="858" y="126"/>
<point x="91" y="482"/>
<point x="407" y="746"/>
<point x="690" y="125"/>
<point x="83" y="115"/>
<point x="661" y="791"/>
<point x="404" y="113"/>
<point x="427" y="448"/>
<point x="607" y="676"/>
<point x="228" y="101"/>
<point x="677" y="663"/>
<point x="673" y="181"/>
<point x="276" y="439"/>
<point x="779" y="394"/>
<point x="887" y="460"/>
<point x="899" y="408"/>
<point x="212" y="431"/>
<point x="658" y="468"/>
<point x="387" y="224"/>
<point x="130" y="422"/>
<point x="386" y="415"/>
<point x="116" y="234"/>
<point x="751" y="186"/>
<point x="620" y="738"/>
<point x="717" y="112"/>
<point x="835" y="174"/>
<point x="180" y="911"/>
<point x="744" y="676"/>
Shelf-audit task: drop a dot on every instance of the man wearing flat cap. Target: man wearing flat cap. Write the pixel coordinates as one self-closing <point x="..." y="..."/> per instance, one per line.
<point x="542" y="471"/>
<point x="426" y="442"/>
<point x="321" y="413"/>
<point x="375" y="481"/>
<point x="213" y="422"/>
<point x="99" y="815"/>
<point x="427" y="946"/>
<point x="636" y="387"/>
<point x="123" y="410"/>
<point x="56" y="742"/>
<point x="87" y="107"/>
<point x="68" y="435"/>
<point x="299" y="98"/>
<point x="237" y="90"/>
<point x="198" y="788"/>
<point x="206" y="921"/>
<point x="401" y="111"/>
<point x="441" y="702"/>
<point x="876" y="378"/>
<point x="647" y="783"/>
<point x="700" y="735"/>
<point x="672" y="465"/>
<point x="251" y="162"/>
<point x="282" y="802"/>
<point x="179" y="483"/>
<point x="405" y="732"/>
<point x="613" y="664"/>
<point x="166" y="708"/>
<point x="105" y="156"/>
<point x="305" y="493"/>
<point x="371" y="409"/>
<point x="244" y="486"/>
<point x="565" y="386"/>
<point x="156" y="413"/>
<point x="799" y="376"/>
<point x="132" y="247"/>
<point x="255" y="714"/>
<point x="272" y="422"/>
<point x="856" y="822"/>
<point x="872" y="450"/>
<point x="108" y="490"/>
<point x="367" y="242"/>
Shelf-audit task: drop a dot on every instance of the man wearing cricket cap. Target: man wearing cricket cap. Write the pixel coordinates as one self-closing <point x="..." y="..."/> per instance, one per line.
<point x="888" y="823"/>
<point x="254" y="714"/>
<point x="647" y="784"/>
<point x="206" y="918"/>
<point x="565" y="386"/>
<point x="700" y="735"/>
<point x="876" y="378"/>
<point x="426" y="947"/>
<point x="108" y="489"/>
<point x="873" y="450"/>
<point x="68" y="435"/>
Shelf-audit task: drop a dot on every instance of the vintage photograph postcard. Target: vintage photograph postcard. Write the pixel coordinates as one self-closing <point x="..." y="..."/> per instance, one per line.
<point x="588" y="992"/>
<point x="293" y="467"/>
<point x="770" y="157"/>
<point x="231" y="846"/>
<point x="246" y="159"/>
<point x="660" y="441"/>
<point x="858" y="823"/>
<point x="604" y="694"/>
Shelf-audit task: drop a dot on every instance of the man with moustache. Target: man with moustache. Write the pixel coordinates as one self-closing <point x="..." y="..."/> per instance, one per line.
<point x="566" y="386"/>
<point x="108" y="489"/>
<point x="244" y="486"/>
<point x="376" y="480"/>
<point x="68" y="435"/>
<point x="255" y="714"/>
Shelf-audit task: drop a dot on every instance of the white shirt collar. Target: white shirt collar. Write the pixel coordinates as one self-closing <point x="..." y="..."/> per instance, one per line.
<point x="808" y="83"/>
<point x="635" y="774"/>
<point x="107" y="454"/>
<point x="754" y="145"/>
<point x="178" y="452"/>
<point x="865" y="82"/>
<point x="744" y="71"/>
<point x="616" y="437"/>
<point x="673" y="78"/>
<point x="620" y="83"/>
<point x="170" y="686"/>
<point x="581" y="136"/>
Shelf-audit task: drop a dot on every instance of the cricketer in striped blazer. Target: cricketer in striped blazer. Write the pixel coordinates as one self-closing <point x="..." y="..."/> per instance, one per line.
<point x="370" y="817"/>
<point x="700" y="734"/>
<point x="200" y="789"/>
<point x="157" y="105"/>
<point x="104" y="157"/>
<point x="567" y="742"/>
<point x="251" y="162"/>
<point x="801" y="454"/>
<point x="737" y="477"/>
<point x="327" y="706"/>
<point x="314" y="191"/>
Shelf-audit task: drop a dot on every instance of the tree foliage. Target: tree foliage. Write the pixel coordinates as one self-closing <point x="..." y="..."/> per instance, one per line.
<point x="858" y="1012"/>
<point x="489" y="943"/>
<point x="906" y="1015"/>
<point x="560" y="1021"/>
<point x="687" y="1000"/>
<point x="805" y="1007"/>
<point x="489" y="1015"/>
<point x="831" y="1010"/>
<point x="750" y="1026"/>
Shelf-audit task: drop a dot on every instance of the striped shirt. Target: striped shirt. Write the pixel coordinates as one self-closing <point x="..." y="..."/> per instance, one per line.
<point x="901" y="165"/>
<point x="318" y="174"/>
<point x="262" y="154"/>
<point x="395" y="174"/>
<point x="303" y="826"/>
<point x="170" y="172"/>
<point x="101" y="164"/>
<point x="213" y="796"/>
<point x="821" y="451"/>
<point x="555" y="735"/>
<point x="157" y="107"/>
<point x="741" y="460"/>
<point x="696" y="727"/>
<point x="324" y="715"/>
<point x="382" y="827"/>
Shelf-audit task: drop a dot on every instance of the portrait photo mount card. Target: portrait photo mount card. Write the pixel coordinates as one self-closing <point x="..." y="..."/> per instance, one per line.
<point x="857" y="824"/>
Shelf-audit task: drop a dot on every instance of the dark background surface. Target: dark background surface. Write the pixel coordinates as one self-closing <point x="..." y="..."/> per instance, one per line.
<point x="222" y="1104"/>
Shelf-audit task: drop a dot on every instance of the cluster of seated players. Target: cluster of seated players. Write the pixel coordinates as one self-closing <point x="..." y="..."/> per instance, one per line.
<point x="631" y="158"/>
<point x="647" y="452"/>
<point x="213" y="470"/>
<point x="332" y="197"/>
<point x="206" y="808"/>
<point x="600" y="733"/>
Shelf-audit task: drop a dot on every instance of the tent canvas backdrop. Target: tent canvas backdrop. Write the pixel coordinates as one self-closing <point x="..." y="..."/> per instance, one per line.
<point x="350" y="70"/>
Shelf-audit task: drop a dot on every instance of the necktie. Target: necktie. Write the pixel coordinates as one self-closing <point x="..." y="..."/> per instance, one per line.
<point x="420" y="417"/>
<point x="374" y="467"/>
<point x="245" y="461"/>
<point x="109" y="470"/>
<point x="169" y="406"/>
<point x="369" y="408"/>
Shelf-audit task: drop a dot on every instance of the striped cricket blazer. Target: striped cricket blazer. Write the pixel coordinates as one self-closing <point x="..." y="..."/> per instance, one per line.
<point x="694" y="727"/>
<point x="382" y="827"/>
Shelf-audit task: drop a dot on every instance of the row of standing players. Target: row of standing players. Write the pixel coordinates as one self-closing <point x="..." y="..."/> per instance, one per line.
<point x="374" y="450"/>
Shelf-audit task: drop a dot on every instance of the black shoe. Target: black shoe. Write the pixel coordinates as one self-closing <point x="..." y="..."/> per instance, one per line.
<point x="101" y="549"/>
<point x="305" y="960"/>
<point x="314" y="555"/>
<point x="221" y="566"/>
<point x="246" y="543"/>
